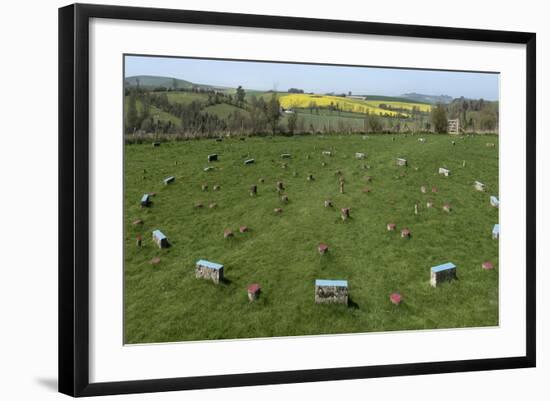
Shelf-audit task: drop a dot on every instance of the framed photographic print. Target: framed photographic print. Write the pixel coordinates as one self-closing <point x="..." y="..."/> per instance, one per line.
<point x="250" y="199"/>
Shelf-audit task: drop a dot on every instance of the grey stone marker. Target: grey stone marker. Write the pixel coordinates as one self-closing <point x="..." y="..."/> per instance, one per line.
<point x="209" y="271"/>
<point x="331" y="292"/>
<point x="156" y="144"/>
<point x="249" y="161"/>
<point x="444" y="171"/>
<point x="169" y="180"/>
<point x="213" y="158"/>
<point x="401" y="162"/>
<point x="359" y="155"/>
<point x="160" y="239"/>
<point x="285" y="156"/>
<point x="206" y="169"/>
<point x="327" y="153"/>
<point x="442" y="273"/>
<point x="496" y="231"/>
<point x="345" y="213"/>
<point x="145" y="200"/>
<point x="479" y="186"/>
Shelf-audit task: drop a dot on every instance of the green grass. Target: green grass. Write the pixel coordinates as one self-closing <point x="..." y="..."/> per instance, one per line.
<point x="166" y="302"/>
<point x="331" y="120"/>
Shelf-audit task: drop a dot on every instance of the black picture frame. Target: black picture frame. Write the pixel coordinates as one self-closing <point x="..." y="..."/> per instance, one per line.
<point x="74" y="198"/>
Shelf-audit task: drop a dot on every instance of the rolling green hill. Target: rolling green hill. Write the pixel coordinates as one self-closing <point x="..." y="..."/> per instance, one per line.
<point x="150" y="81"/>
<point x="224" y="110"/>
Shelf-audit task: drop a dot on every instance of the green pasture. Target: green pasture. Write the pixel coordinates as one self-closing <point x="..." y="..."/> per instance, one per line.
<point x="165" y="302"/>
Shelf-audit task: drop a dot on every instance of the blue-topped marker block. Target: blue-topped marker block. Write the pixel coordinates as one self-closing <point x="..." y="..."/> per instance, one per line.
<point x="496" y="231"/>
<point x="331" y="283"/>
<point x="160" y="239"/>
<point x="145" y="200"/>
<point x="169" y="180"/>
<point x="210" y="265"/>
<point x="209" y="270"/>
<point x="494" y="201"/>
<point x="331" y="292"/>
<point x="442" y="273"/>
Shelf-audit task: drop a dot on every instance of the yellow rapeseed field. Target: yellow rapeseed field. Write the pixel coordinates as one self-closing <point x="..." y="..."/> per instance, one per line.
<point x="302" y="100"/>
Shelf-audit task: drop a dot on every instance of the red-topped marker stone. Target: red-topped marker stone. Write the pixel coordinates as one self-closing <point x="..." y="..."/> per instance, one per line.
<point x="253" y="291"/>
<point x="395" y="298"/>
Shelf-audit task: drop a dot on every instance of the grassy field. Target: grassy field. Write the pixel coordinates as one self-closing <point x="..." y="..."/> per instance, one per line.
<point x="165" y="302"/>
<point x="330" y="120"/>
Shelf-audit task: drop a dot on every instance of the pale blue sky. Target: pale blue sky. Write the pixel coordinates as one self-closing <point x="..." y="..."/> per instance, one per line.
<point x="318" y="78"/>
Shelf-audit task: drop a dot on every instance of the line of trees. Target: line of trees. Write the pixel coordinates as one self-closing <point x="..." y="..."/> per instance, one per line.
<point x="255" y="115"/>
<point x="262" y="115"/>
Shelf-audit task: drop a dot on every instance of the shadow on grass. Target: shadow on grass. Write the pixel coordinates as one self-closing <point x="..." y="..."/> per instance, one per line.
<point x="226" y="281"/>
<point x="352" y="304"/>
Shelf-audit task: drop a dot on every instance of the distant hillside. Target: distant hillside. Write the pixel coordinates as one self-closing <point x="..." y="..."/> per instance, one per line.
<point x="150" y="81"/>
<point x="395" y="99"/>
<point x="433" y="99"/>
